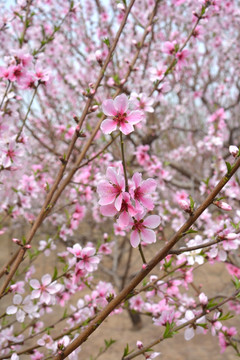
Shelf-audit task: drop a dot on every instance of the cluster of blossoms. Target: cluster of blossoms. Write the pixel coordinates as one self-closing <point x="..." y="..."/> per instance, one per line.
<point x="175" y="75"/>
<point x="130" y="206"/>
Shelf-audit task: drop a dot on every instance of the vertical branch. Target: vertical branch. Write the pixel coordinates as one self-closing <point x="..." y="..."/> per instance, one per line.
<point x="26" y="116"/>
<point x="123" y="161"/>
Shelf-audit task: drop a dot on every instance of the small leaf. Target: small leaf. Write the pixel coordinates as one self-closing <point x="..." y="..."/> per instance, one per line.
<point x="229" y="167"/>
<point x="191" y="203"/>
<point x="55" y="274"/>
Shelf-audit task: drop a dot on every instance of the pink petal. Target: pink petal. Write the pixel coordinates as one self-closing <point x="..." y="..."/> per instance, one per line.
<point x="135" y="238"/>
<point x="148" y="186"/>
<point x="126" y="128"/>
<point x="35" y="284"/>
<point x="35" y="294"/>
<point x="134" y="117"/>
<point x="189" y="334"/>
<point x="112" y="175"/>
<point x="121" y="103"/>
<point x="54" y="288"/>
<point x="108" y="126"/>
<point x="45" y="298"/>
<point x="11" y="310"/>
<point x="137" y="179"/>
<point x="17" y="299"/>
<point x="152" y="221"/>
<point x="20" y="316"/>
<point x="147" y="203"/>
<point x="46" y="279"/>
<point x="148" y="236"/>
<point x="108" y="210"/>
<point x="124" y="218"/>
<point x="109" y="108"/>
<point x="118" y="202"/>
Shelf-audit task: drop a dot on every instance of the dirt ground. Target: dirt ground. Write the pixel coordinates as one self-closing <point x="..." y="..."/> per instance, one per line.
<point x="214" y="279"/>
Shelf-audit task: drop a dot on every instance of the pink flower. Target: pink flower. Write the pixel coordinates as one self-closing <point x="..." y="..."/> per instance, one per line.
<point x="185" y="205"/>
<point x="168" y="48"/>
<point x="11" y="154"/>
<point x="142" y="229"/>
<point x="223" y="205"/>
<point x="157" y="73"/>
<point x="22" y="307"/>
<point x="117" y="109"/>
<point x="142" y="102"/>
<point x="87" y="259"/>
<point x="125" y="212"/>
<point x="181" y="57"/>
<point x="203" y="299"/>
<point x="141" y="190"/>
<point x="45" y="289"/>
<point x="111" y="191"/>
<point x="233" y="150"/>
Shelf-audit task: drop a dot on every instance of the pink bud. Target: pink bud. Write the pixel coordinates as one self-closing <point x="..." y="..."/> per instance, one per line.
<point x="16" y="241"/>
<point x="94" y="108"/>
<point x="28" y="246"/>
<point x="233" y="150"/>
<point x="139" y="344"/>
<point x="120" y="7"/>
<point x="98" y="55"/>
<point x="184" y="205"/>
<point x="223" y="205"/>
<point x="231" y="236"/>
<point x="144" y="266"/>
<point x="203" y="299"/>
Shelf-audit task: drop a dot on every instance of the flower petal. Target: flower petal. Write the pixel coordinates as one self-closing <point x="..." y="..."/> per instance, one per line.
<point x="135" y="238"/>
<point x="152" y="221"/>
<point x="126" y="128"/>
<point x="46" y="279"/>
<point x="121" y="103"/>
<point x="134" y="117"/>
<point x="108" y="210"/>
<point x="109" y="108"/>
<point x="124" y="219"/>
<point x="137" y="179"/>
<point x="108" y="126"/>
<point x="35" y="284"/>
<point x="11" y="310"/>
<point x="148" y="236"/>
<point x="189" y="334"/>
<point x="118" y="202"/>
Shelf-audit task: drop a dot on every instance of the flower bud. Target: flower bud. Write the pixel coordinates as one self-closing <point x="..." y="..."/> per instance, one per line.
<point x="223" y="205"/>
<point x="184" y="205"/>
<point x="233" y="150"/>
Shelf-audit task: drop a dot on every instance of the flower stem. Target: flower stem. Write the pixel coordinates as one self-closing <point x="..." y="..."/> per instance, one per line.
<point x="5" y="94"/>
<point x="142" y="254"/>
<point x="123" y="161"/>
<point x="26" y="116"/>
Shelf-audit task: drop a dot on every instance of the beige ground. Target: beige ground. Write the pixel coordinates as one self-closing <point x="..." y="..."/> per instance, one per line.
<point x="214" y="279"/>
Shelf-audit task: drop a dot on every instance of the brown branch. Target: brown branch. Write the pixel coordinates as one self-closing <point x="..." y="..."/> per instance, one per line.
<point x="177" y="328"/>
<point x="144" y="272"/>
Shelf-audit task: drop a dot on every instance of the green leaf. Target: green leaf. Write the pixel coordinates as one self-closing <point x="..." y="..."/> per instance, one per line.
<point x="108" y="343"/>
<point x="168" y="333"/>
<point x="191" y="231"/>
<point x="229" y="167"/>
<point x="191" y="203"/>
<point x="65" y="313"/>
<point x="107" y="42"/>
<point x="225" y="317"/>
<point x="126" y="351"/>
<point x="236" y="283"/>
<point x="55" y="274"/>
